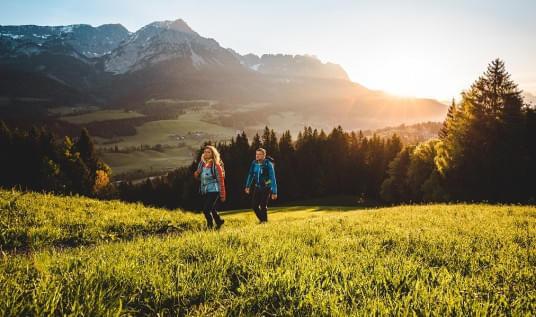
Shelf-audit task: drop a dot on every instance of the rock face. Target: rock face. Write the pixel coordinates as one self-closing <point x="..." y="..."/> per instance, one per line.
<point x="86" y="40"/>
<point x="118" y="51"/>
<point x="292" y="66"/>
<point x="163" y="41"/>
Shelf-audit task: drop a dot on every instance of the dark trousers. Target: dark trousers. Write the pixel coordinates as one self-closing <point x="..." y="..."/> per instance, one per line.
<point x="259" y="201"/>
<point x="209" y="208"/>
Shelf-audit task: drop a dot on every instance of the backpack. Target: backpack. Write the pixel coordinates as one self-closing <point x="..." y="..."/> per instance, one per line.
<point x="264" y="167"/>
<point x="213" y="169"/>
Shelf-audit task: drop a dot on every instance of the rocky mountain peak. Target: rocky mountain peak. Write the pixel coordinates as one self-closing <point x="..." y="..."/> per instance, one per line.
<point x="177" y="25"/>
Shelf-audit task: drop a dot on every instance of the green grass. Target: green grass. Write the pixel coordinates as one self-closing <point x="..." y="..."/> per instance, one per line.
<point x="30" y="221"/>
<point x="101" y="115"/>
<point x="204" y="117"/>
<point x="148" y="160"/>
<point x="64" y="111"/>
<point x="200" y="116"/>
<point x="408" y="260"/>
<point x="162" y="132"/>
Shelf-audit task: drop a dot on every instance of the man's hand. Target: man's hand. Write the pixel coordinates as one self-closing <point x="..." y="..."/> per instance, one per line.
<point x="274" y="196"/>
<point x="222" y="199"/>
<point x="247" y="190"/>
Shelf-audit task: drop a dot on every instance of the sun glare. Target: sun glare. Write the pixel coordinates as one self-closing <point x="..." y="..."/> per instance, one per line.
<point x="411" y="76"/>
<point x="407" y="70"/>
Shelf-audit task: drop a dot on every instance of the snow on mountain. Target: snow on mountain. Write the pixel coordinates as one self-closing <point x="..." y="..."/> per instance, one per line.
<point x="87" y="40"/>
<point x="13" y="36"/>
<point x="161" y="41"/>
<point x="119" y="51"/>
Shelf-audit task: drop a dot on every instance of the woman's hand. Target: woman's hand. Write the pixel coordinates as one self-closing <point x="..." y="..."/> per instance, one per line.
<point x="222" y="199"/>
<point x="274" y="196"/>
<point x="247" y="191"/>
<point x="196" y="173"/>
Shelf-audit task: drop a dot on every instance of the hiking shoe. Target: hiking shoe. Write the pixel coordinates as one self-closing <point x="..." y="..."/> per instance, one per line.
<point x="219" y="224"/>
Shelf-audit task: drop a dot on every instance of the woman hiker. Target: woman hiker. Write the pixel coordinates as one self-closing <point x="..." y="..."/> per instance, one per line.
<point x="262" y="175"/>
<point x="212" y="188"/>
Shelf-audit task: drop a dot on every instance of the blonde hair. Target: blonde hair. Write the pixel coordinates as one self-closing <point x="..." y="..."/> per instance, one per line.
<point x="215" y="155"/>
<point x="261" y="150"/>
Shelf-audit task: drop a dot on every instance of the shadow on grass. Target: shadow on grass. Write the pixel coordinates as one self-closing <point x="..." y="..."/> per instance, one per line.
<point x="330" y="203"/>
<point x="272" y="210"/>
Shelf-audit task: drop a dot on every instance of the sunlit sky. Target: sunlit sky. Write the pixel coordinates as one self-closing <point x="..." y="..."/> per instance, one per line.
<point x="429" y="49"/>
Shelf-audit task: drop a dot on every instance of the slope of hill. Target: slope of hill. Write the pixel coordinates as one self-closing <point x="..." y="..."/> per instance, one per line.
<point x="431" y="259"/>
<point x="31" y="221"/>
<point x="409" y="134"/>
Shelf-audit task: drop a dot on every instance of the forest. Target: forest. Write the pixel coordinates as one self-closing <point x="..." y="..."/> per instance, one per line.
<point x="484" y="153"/>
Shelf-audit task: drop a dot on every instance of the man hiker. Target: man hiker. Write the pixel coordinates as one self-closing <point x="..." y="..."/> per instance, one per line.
<point x="262" y="176"/>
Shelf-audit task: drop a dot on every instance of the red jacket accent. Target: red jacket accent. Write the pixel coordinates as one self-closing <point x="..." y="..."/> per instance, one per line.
<point x="219" y="177"/>
<point x="221" y="180"/>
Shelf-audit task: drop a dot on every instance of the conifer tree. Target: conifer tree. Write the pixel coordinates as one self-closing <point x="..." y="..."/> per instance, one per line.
<point x="482" y="152"/>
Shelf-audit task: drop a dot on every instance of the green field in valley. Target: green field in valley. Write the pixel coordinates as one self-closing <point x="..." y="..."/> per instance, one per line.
<point x="191" y="134"/>
<point x="149" y="160"/>
<point x="101" y="115"/>
<point x="78" y="256"/>
<point x="167" y="131"/>
<point x="200" y="121"/>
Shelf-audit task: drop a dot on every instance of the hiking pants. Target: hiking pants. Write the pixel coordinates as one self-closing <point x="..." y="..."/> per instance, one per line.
<point x="259" y="201"/>
<point x="210" y="200"/>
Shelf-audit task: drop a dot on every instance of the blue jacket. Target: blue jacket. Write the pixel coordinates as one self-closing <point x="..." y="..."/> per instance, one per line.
<point x="262" y="175"/>
<point x="211" y="179"/>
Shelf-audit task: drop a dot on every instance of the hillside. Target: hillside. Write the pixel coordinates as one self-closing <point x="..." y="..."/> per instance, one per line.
<point x="431" y="259"/>
<point x="409" y="134"/>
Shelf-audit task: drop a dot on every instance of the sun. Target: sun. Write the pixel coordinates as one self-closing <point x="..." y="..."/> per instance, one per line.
<point x="408" y="73"/>
<point x="413" y="76"/>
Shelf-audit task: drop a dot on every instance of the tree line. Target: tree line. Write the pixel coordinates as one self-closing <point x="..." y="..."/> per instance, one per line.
<point x="484" y="152"/>
<point x="36" y="160"/>
<point x="315" y="165"/>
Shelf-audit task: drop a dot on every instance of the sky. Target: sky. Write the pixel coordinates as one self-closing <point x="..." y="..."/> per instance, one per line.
<point x="431" y="49"/>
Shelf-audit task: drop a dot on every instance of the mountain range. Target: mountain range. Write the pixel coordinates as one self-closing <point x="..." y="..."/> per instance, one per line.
<point x="43" y="67"/>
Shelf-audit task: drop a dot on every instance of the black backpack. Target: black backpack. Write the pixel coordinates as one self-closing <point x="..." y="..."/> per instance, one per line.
<point x="264" y="166"/>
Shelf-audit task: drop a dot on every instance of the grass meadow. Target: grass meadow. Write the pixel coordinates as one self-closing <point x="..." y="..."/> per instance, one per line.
<point x="77" y="256"/>
<point x="200" y="122"/>
<point x="151" y="160"/>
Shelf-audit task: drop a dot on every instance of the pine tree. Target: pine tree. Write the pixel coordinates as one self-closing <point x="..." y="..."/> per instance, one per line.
<point x="421" y="168"/>
<point x="6" y="161"/>
<point x="269" y="142"/>
<point x="481" y="152"/>
<point x="395" y="189"/>
<point x="443" y="132"/>
<point x="85" y="146"/>
<point x="256" y="143"/>
<point x="95" y="166"/>
<point x="286" y="163"/>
